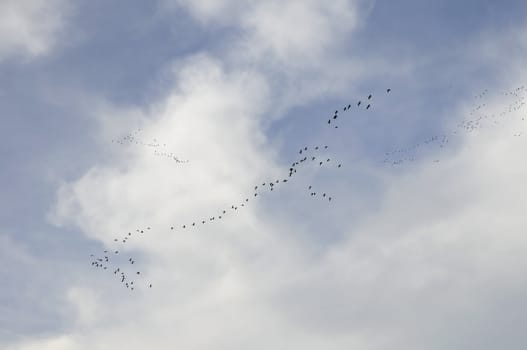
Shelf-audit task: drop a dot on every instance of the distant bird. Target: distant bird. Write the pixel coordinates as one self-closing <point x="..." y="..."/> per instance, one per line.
<point x="358" y="104"/>
<point x="369" y="97"/>
<point x="388" y="90"/>
<point x="368" y="106"/>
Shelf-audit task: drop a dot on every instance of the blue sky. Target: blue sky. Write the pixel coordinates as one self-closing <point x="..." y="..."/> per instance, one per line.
<point x="425" y="254"/>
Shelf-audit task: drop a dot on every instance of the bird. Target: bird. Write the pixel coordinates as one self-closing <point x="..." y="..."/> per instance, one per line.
<point x="358" y="104"/>
<point x="369" y="97"/>
<point x="368" y="106"/>
<point x="388" y="90"/>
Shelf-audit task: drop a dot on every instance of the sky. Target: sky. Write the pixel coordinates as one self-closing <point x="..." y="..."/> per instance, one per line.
<point x="421" y="246"/>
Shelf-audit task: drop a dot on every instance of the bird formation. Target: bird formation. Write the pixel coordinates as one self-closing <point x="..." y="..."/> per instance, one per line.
<point x="316" y="156"/>
<point x="127" y="279"/>
<point x="124" y="267"/>
<point x="366" y="104"/>
<point x="478" y="118"/>
<point x="128" y="275"/>
<point x="159" y="150"/>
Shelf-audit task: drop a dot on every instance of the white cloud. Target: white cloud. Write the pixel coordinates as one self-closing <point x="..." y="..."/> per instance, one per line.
<point x="30" y="28"/>
<point x="443" y="270"/>
<point x="297" y="44"/>
<point x="433" y="267"/>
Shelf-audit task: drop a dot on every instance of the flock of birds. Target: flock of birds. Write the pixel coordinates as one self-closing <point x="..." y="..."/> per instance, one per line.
<point x="478" y="118"/>
<point x="314" y="155"/>
<point x="159" y="150"/>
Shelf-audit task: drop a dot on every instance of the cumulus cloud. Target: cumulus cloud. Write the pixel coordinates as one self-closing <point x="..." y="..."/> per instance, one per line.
<point x="30" y="28"/>
<point x="297" y="44"/>
<point x="443" y="270"/>
<point x="438" y="262"/>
